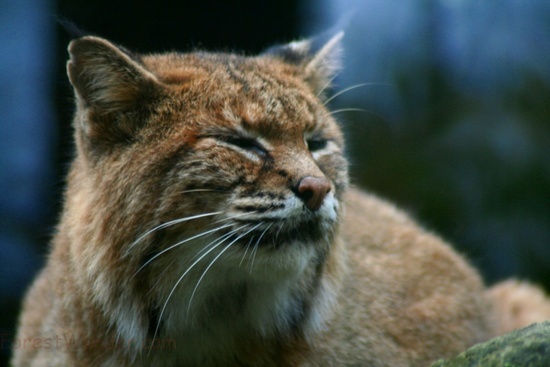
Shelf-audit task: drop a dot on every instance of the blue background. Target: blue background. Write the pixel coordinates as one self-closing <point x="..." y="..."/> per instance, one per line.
<point x="455" y="126"/>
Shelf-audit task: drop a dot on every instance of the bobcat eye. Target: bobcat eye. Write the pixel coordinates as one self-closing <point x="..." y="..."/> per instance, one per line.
<point x="248" y="144"/>
<point x="316" y="144"/>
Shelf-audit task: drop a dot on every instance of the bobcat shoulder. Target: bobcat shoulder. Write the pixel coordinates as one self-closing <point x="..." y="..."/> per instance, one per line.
<point x="207" y="221"/>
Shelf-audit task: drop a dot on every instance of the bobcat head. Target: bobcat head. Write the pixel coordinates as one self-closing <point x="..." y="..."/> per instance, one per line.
<point x="206" y="185"/>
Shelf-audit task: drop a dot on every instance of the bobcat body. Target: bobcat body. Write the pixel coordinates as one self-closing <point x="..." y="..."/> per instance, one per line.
<point x="208" y="222"/>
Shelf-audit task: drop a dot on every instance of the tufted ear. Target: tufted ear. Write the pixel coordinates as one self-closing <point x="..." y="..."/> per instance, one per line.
<point x="319" y="58"/>
<point x="109" y="84"/>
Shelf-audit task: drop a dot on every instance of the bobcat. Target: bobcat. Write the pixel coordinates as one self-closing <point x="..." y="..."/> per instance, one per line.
<point x="208" y="222"/>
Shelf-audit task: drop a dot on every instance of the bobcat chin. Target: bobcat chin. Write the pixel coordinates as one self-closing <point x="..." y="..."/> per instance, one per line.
<point x="208" y="222"/>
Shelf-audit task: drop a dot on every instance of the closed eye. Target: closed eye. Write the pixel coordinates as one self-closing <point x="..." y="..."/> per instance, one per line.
<point x="248" y="144"/>
<point x="316" y="144"/>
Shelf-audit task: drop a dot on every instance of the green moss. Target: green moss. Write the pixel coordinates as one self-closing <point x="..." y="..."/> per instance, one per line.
<point x="527" y="347"/>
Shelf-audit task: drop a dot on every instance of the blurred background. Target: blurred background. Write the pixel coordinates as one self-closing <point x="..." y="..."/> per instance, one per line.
<point x="451" y="120"/>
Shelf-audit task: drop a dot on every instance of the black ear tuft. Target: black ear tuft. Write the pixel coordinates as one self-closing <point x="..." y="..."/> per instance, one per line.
<point x="71" y="28"/>
<point x="318" y="57"/>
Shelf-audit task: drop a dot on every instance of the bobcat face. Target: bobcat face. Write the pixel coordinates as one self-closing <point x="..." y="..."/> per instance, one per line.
<point x="270" y="160"/>
<point x="266" y="156"/>
<point x="203" y="180"/>
<point x="243" y="144"/>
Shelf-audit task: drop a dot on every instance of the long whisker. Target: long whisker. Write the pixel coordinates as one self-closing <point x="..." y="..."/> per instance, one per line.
<point x="219" y="239"/>
<point x="177" y="221"/>
<point x="213" y="261"/>
<point x="170" y="223"/>
<point x="246" y="249"/>
<point x="278" y="232"/>
<point x="181" y="278"/>
<point x="206" y="233"/>
<point x="234" y="217"/>
<point x="160" y="278"/>
<point x="255" y="250"/>
<point x="357" y="110"/>
<point x="328" y="84"/>
<point x="346" y="90"/>
<point x="347" y="110"/>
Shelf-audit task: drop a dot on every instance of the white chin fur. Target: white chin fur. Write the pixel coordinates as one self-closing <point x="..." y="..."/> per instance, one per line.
<point x="273" y="279"/>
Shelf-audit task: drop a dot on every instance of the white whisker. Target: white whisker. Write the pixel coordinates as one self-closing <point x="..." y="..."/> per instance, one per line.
<point x="256" y="246"/>
<point x="160" y="277"/>
<point x="277" y="234"/>
<point x="347" y="110"/>
<point x="219" y="239"/>
<point x="328" y="84"/>
<point x="168" y="224"/>
<point x="183" y="276"/>
<point x="202" y="234"/>
<point x="355" y="110"/>
<point x="346" y="90"/>
<point x="246" y="250"/>
<point x="212" y="263"/>
<point x="234" y="217"/>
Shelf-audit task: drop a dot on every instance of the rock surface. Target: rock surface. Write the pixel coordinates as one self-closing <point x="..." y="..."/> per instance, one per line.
<point x="527" y="347"/>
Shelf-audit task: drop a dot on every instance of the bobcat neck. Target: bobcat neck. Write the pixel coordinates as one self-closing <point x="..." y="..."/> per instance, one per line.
<point x="267" y="315"/>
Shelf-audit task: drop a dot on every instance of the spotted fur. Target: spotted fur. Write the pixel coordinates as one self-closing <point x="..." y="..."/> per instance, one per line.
<point x="203" y="225"/>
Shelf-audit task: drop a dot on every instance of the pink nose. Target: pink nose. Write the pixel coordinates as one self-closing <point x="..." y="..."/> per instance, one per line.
<point x="312" y="191"/>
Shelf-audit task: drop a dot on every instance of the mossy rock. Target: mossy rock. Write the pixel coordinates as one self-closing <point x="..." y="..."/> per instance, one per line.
<point x="527" y="347"/>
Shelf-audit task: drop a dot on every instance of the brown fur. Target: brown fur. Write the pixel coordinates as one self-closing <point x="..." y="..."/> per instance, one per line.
<point x="171" y="136"/>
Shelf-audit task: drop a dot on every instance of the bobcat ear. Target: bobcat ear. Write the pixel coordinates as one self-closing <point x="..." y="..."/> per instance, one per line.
<point x="108" y="83"/>
<point x="319" y="58"/>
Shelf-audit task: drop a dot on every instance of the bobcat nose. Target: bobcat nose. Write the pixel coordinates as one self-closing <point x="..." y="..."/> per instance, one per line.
<point x="312" y="191"/>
